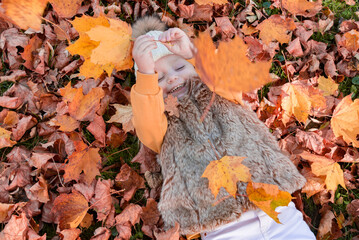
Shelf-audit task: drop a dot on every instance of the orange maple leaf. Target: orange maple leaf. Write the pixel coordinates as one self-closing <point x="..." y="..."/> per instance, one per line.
<point x="70" y="209"/>
<point x="66" y="8"/>
<point x="82" y="159"/>
<point x="345" y="120"/>
<point x="227" y="70"/>
<point x="276" y="28"/>
<point x="322" y="166"/>
<point x="302" y="7"/>
<point x="104" y="43"/>
<point x="5" y="140"/>
<point x="299" y="99"/>
<point x="123" y="115"/>
<point x="350" y="40"/>
<point x="226" y="172"/>
<point x="65" y="122"/>
<point x="211" y="2"/>
<point x="24" y="13"/>
<point x="268" y="197"/>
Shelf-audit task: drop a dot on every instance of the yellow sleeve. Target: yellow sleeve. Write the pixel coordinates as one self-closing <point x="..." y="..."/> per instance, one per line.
<point x="148" y="119"/>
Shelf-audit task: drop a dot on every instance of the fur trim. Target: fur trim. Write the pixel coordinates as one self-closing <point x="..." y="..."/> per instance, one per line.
<point x="146" y="24"/>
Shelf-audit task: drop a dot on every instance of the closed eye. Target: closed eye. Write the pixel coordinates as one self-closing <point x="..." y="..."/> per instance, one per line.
<point x="180" y="68"/>
<point x="161" y="78"/>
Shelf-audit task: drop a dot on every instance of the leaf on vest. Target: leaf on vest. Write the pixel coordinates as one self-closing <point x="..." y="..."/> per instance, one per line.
<point x="171" y="104"/>
<point x="225" y="173"/>
<point x="268" y="197"/>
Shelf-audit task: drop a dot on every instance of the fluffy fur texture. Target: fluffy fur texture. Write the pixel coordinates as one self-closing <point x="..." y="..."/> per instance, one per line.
<point x="186" y="152"/>
<point x="146" y="24"/>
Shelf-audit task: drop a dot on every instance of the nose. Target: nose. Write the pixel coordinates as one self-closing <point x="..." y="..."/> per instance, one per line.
<point x="172" y="78"/>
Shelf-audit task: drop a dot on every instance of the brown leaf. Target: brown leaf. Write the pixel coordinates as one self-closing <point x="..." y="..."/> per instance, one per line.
<point x="295" y="48"/>
<point x="24" y="124"/>
<point x="6" y="211"/>
<point x="325" y="224"/>
<point x="129" y="181"/>
<point x="123" y="115"/>
<point x="87" y="190"/>
<point x="70" y="209"/>
<point x="16" y="228"/>
<point x="171" y="234"/>
<point x="39" y="159"/>
<point x="302" y="7"/>
<point x="150" y="216"/>
<point x="10" y="102"/>
<point x="30" y="52"/>
<point x="66" y="8"/>
<point x="40" y="191"/>
<point x="70" y="234"/>
<point x="186" y="11"/>
<point x="11" y="119"/>
<point x="276" y="27"/>
<point x="171" y="104"/>
<point x="5" y="140"/>
<point x="202" y="13"/>
<point x="65" y="122"/>
<point x="20" y="177"/>
<point x="98" y="127"/>
<point x="147" y="158"/>
<point x="127" y="218"/>
<point x="101" y="233"/>
<point x="353" y="208"/>
<point x="115" y="137"/>
<point x="226" y="26"/>
<point x="102" y="202"/>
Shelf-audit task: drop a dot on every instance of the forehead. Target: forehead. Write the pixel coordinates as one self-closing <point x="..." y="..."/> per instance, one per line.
<point x="167" y="62"/>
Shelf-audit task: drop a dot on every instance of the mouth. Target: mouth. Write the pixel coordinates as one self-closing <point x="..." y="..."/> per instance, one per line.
<point x="177" y="88"/>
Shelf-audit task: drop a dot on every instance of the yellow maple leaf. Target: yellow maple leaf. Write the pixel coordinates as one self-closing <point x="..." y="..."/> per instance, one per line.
<point x="302" y="7"/>
<point x="123" y="115"/>
<point x="104" y="43"/>
<point x="228" y="74"/>
<point x="327" y="85"/>
<point x="299" y="100"/>
<point x="5" y="140"/>
<point x="268" y="197"/>
<point x="211" y="2"/>
<point x="276" y="28"/>
<point x="345" y="120"/>
<point x="322" y="166"/>
<point x="226" y="172"/>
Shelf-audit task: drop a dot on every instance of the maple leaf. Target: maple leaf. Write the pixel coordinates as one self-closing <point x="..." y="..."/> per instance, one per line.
<point x="82" y="159"/>
<point x="5" y="140"/>
<point x="70" y="209"/>
<point x="130" y="181"/>
<point x="123" y="115"/>
<point x="66" y="8"/>
<point x="302" y="7"/>
<point x="226" y="172"/>
<point x="314" y="183"/>
<point x="11" y="119"/>
<point x="29" y="49"/>
<point x="24" y="13"/>
<point x="276" y="28"/>
<point x="299" y="101"/>
<point x="345" y="120"/>
<point x="102" y="202"/>
<point x="322" y="166"/>
<point x="214" y="65"/>
<point x="127" y="218"/>
<point x="171" y="104"/>
<point x="350" y="40"/>
<point x="104" y="43"/>
<point x="65" y="122"/>
<point x="16" y="228"/>
<point x="211" y="2"/>
<point x="327" y="85"/>
<point x="268" y="197"/>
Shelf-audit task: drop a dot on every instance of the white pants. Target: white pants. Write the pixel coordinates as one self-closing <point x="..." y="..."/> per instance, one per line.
<point x="257" y="225"/>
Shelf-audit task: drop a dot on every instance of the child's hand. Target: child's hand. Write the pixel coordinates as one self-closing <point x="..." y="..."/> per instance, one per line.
<point x="142" y="55"/>
<point x="177" y="42"/>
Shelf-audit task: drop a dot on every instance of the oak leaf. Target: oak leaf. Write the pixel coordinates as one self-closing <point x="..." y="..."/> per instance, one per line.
<point x="322" y="166"/>
<point x="302" y="7"/>
<point x="276" y="28"/>
<point x="345" y="120"/>
<point x="66" y="8"/>
<point x="24" y="13"/>
<point x="268" y="197"/>
<point x="5" y="140"/>
<point x="225" y="173"/>
<point x="211" y="2"/>
<point x="327" y="85"/>
<point x="83" y="159"/>
<point x="70" y="209"/>
<point x="220" y="70"/>
<point x="299" y="101"/>
<point x="123" y="115"/>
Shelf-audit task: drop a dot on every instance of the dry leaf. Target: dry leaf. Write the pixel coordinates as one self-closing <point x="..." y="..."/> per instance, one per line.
<point x="325" y="224"/>
<point x="350" y="40"/>
<point x="5" y="140"/>
<point x="302" y="7"/>
<point x="268" y="197"/>
<point x="327" y="85"/>
<point x="171" y="234"/>
<point x="171" y="104"/>
<point x="40" y="191"/>
<point x="276" y="28"/>
<point x="5" y="211"/>
<point x="211" y="2"/>
<point x="66" y="8"/>
<point x="65" y="122"/>
<point x="225" y="173"/>
<point x="123" y="115"/>
<point x="127" y="218"/>
<point x="129" y="181"/>
<point x="102" y="202"/>
<point x="16" y="228"/>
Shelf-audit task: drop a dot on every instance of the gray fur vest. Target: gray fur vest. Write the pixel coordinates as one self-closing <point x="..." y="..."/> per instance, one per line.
<point x="186" y="152"/>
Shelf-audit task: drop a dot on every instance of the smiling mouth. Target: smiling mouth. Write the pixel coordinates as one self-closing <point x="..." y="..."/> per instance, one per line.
<point x="177" y="88"/>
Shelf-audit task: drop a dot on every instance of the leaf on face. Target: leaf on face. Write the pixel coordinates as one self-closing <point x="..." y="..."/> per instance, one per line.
<point x="327" y="85"/>
<point x="24" y="13"/>
<point x="268" y="197"/>
<point x="65" y="122"/>
<point x="70" y="209"/>
<point x="299" y="99"/>
<point x="225" y="173"/>
<point x="302" y="7"/>
<point x="171" y="104"/>
<point x="220" y="71"/>
<point x="322" y="166"/>
<point x="350" y="40"/>
<point x="82" y="159"/>
<point x="123" y="115"/>
<point x="66" y="8"/>
<point x="345" y="120"/>
<point x="5" y="140"/>
<point x="276" y="28"/>
<point x="211" y="2"/>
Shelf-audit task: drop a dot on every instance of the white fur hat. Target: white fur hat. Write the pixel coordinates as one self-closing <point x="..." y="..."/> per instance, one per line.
<point x="161" y="49"/>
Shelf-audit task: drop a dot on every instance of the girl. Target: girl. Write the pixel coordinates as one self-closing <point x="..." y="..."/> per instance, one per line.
<point x="185" y="146"/>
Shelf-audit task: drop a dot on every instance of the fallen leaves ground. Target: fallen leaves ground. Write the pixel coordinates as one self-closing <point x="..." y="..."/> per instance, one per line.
<point x="70" y="162"/>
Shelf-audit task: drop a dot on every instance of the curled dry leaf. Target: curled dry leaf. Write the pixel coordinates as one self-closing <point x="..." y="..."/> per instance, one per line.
<point x="40" y="191"/>
<point x="5" y="211"/>
<point x="102" y="202"/>
<point x="70" y="234"/>
<point x="101" y="233"/>
<point x="226" y="172"/>
<point x="325" y="224"/>
<point x="150" y="216"/>
<point x="70" y="209"/>
<point x="5" y="140"/>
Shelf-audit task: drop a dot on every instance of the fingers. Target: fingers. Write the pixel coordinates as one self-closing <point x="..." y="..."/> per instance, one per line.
<point x="142" y="43"/>
<point x="170" y="35"/>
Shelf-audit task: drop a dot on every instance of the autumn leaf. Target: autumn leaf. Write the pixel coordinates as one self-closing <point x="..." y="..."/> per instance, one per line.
<point x="5" y="209"/>
<point x="30" y="48"/>
<point x="16" y="228"/>
<point x="24" y="13"/>
<point x="214" y="65"/>
<point x="226" y="172"/>
<point x="123" y="115"/>
<point x="171" y="104"/>
<point x="350" y="40"/>
<point x="327" y="85"/>
<point x="211" y="2"/>
<point x="268" y="197"/>
<point x="65" y="122"/>
<point x="40" y="190"/>
<point x="5" y="140"/>
<point x="66" y="8"/>
<point x="322" y="166"/>
<point x="345" y="120"/>
<point x="70" y="209"/>
<point x="83" y="159"/>
<point x="302" y="7"/>
<point x="299" y="100"/>
<point x="276" y="28"/>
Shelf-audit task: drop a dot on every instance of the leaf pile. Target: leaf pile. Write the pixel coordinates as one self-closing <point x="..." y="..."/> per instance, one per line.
<point x="70" y="164"/>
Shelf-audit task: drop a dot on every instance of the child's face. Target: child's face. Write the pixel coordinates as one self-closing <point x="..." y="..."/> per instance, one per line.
<point x="173" y="75"/>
